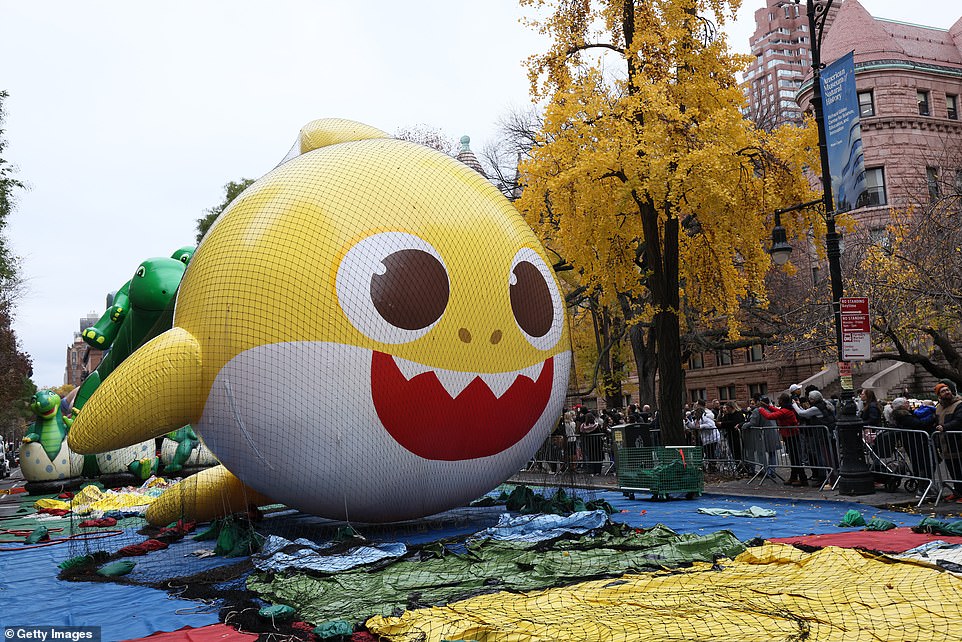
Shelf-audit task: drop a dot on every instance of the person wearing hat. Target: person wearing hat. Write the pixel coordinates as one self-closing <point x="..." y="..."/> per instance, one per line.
<point x="795" y="391"/>
<point x="948" y="425"/>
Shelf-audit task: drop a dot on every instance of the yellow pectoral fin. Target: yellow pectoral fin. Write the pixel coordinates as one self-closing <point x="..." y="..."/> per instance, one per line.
<point x="155" y="390"/>
<point x="209" y="494"/>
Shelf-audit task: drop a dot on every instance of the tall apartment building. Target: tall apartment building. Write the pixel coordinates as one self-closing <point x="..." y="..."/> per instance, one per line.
<point x="782" y="46"/>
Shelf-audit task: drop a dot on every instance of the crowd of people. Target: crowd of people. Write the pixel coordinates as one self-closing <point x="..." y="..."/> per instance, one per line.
<point x="801" y="423"/>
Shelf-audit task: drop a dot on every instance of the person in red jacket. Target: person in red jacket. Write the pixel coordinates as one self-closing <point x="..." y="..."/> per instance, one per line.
<point x="784" y="415"/>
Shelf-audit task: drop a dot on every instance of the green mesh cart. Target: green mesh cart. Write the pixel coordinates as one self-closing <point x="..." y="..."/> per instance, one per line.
<point x="661" y="471"/>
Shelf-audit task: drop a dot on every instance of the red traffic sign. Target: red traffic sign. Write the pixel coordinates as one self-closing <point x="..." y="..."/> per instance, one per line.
<point x="856" y="328"/>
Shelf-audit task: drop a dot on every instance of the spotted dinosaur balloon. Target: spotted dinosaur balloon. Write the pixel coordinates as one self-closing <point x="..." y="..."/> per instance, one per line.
<point x="44" y="455"/>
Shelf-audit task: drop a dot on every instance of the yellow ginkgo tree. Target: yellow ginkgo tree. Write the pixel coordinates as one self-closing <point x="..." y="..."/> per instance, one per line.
<point x="646" y="176"/>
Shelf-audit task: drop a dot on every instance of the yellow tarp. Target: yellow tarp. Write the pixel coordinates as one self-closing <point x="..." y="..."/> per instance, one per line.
<point x="87" y="495"/>
<point x="115" y="501"/>
<point x="92" y="498"/>
<point x="55" y="504"/>
<point x="772" y="592"/>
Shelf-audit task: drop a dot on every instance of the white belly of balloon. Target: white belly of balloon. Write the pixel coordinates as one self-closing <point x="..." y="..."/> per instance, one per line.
<point x="312" y="435"/>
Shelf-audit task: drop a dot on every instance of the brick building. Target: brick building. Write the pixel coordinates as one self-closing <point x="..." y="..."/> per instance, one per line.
<point x="81" y="358"/>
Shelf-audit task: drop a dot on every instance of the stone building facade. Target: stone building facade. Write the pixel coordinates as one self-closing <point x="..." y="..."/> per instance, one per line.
<point x="909" y="84"/>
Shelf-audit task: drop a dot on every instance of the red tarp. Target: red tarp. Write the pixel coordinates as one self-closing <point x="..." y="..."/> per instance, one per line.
<point x="896" y="540"/>
<point x="212" y="633"/>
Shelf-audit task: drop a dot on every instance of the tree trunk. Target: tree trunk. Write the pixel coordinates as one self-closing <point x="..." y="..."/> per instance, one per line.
<point x="614" y="393"/>
<point x="642" y="341"/>
<point x="661" y="253"/>
<point x="607" y="331"/>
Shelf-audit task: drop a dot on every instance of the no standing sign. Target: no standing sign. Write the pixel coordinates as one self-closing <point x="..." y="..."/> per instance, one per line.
<point x="856" y="329"/>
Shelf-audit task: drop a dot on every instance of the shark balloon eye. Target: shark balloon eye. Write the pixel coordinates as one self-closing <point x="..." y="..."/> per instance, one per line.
<point x="413" y="291"/>
<point x="535" y="300"/>
<point x="141" y="271"/>
<point x="393" y="287"/>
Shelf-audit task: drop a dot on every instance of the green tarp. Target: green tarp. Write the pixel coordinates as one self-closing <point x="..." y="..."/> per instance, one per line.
<point x="485" y="567"/>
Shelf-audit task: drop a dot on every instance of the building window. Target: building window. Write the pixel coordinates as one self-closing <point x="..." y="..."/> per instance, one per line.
<point x="696" y="361"/>
<point x="866" y="106"/>
<point x="723" y="357"/>
<point x="726" y="393"/>
<point x="958" y="181"/>
<point x="952" y="106"/>
<point x="698" y="393"/>
<point x="874" y="193"/>
<point x="757" y="389"/>
<point x="923" y="100"/>
<point x="756" y="353"/>
<point x="932" y="182"/>
<point x="880" y="237"/>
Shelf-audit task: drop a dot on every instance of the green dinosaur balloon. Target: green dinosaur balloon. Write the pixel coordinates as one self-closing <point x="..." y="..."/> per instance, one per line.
<point x="143" y="468"/>
<point x="101" y="335"/>
<point x="50" y="428"/>
<point x="149" y="292"/>
<point x="183" y="254"/>
<point x="187" y="441"/>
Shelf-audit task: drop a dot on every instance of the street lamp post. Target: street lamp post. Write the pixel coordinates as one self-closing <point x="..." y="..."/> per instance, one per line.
<point x="855" y="478"/>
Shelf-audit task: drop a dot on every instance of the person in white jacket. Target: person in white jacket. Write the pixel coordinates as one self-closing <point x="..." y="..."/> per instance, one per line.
<point x="703" y="425"/>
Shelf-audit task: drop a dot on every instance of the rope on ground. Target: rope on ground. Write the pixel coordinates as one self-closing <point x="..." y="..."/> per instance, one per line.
<point x="61" y="540"/>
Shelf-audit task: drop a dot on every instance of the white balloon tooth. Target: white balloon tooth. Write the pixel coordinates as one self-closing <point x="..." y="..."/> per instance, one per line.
<point x="499" y="382"/>
<point x="410" y="369"/>
<point x="455" y="382"/>
<point x="533" y="372"/>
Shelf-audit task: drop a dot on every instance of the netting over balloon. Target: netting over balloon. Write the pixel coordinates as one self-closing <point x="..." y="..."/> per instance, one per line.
<point x="370" y="332"/>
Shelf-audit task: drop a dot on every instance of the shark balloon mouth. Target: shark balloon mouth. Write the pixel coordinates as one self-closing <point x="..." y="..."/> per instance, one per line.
<point x="453" y="416"/>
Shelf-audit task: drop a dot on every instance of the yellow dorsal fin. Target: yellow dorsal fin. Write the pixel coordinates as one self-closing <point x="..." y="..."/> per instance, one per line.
<point x="331" y="131"/>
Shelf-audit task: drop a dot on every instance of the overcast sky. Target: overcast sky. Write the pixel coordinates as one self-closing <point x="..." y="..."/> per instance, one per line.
<point x="127" y="118"/>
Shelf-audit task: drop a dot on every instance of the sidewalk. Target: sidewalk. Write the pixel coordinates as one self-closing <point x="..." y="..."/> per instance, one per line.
<point x="898" y="500"/>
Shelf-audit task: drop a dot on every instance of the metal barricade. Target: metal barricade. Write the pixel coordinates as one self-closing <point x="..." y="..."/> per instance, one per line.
<point x="902" y="457"/>
<point x="949" y="446"/>
<point x="760" y="447"/>
<point x="819" y="453"/>
<point x="718" y="459"/>
<point x="595" y="453"/>
<point x="550" y="456"/>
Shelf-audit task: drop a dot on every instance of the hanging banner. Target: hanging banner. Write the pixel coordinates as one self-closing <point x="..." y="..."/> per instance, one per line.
<point x="843" y="132"/>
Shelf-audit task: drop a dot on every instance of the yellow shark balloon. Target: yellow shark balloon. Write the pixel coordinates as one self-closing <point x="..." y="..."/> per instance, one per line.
<point x="369" y="332"/>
